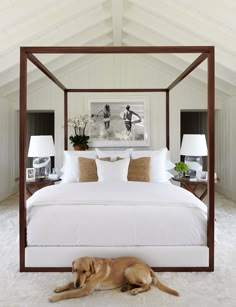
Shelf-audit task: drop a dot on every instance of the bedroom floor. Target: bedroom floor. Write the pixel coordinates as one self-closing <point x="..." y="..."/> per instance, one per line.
<point x="196" y="289"/>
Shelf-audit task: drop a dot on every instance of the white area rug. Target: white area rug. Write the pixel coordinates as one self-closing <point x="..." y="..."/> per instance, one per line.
<point x="217" y="289"/>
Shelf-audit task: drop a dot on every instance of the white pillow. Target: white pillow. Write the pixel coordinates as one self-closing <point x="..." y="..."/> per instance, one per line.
<point x="169" y="165"/>
<point x="166" y="178"/>
<point x="112" y="171"/>
<point x="71" y="164"/>
<point x="113" y="154"/>
<point x="158" y="165"/>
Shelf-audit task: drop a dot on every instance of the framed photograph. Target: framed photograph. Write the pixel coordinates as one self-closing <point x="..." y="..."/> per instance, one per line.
<point x="119" y="122"/>
<point x="201" y="175"/>
<point x="30" y="174"/>
<point x="191" y="173"/>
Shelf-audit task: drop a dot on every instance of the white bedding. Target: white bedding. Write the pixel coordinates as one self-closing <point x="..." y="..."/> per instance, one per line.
<point x="115" y="214"/>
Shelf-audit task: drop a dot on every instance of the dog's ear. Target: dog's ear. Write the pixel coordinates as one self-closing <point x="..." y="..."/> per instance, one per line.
<point x="95" y="265"/>
<point x="92" y="266"/>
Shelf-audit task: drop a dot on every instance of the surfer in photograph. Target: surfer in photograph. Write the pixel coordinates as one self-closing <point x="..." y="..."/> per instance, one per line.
<point x="106" y="115"/>
<point x="127" y="116"/>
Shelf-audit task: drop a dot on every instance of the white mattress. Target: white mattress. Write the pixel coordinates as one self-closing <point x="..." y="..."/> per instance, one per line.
<point x="115" y="214"/>
<point x="156" y="256"/>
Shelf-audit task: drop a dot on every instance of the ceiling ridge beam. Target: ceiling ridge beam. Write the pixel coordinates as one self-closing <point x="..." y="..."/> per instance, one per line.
<point x="188" y="70"/>
<point x="44" y="69"/>
<point x="117" y="7"/>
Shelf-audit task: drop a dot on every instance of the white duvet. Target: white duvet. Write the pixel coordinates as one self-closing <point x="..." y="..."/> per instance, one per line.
<point x="115" y="214"/>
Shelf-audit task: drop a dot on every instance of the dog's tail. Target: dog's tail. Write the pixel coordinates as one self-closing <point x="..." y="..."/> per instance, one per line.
<point x="161" y="286"/>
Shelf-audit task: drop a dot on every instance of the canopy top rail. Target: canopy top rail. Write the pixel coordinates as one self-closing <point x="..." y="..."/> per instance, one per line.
<point x="203" y="50"/>
<point x="118" y="49"/>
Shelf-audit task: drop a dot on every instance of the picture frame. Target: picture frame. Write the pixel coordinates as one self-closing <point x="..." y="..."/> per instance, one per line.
<point x="191" y="173"/>
<point x="202" y="175"/>
<point x="119" y="121"/>
<point x="30" y="174"/>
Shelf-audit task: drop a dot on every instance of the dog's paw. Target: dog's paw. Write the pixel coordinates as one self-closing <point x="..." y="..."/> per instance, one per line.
<point x="134" y="291"/>
<point x="124" y="289"/>
<point x="57" y="290"/>
<point x="53" y="299"/>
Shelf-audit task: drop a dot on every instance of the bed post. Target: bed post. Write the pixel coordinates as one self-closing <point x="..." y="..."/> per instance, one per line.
<point x="22" y="137"/>
<point x="168" y="119"/>
<point x="65" y="119"/>
<point x="211" y="156"/>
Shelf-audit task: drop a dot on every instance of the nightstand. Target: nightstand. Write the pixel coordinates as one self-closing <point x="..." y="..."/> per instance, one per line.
<point x="193" y="186"/>
<point x="35" y="185"/>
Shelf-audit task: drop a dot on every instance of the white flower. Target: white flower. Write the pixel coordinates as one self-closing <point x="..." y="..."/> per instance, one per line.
<point x="79" y="123"/>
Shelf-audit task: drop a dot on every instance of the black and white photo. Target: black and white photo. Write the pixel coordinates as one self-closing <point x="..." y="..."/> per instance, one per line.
<point x="30" y="174"/>
<point x="119" y="122"/>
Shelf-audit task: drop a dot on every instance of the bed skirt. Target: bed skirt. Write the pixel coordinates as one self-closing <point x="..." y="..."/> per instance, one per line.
<point x="155" y="256"/>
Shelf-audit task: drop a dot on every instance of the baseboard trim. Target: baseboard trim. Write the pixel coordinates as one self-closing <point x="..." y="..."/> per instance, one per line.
<point x="225" y="192"/>
<point x="6" y="194"/>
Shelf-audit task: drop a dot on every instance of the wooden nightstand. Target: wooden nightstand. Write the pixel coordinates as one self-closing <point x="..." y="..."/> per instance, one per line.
<point x="193" y="186"/>
<point x="35" y="185"/>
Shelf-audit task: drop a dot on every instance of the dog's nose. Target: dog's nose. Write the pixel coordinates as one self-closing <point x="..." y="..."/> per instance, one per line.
<point x="77" y="284"/>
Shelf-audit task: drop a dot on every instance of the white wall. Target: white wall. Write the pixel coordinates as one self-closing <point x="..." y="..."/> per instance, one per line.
<point x="227" y="149"/>
<point x="120" y="71"/>
<point x="232" y="145"/>
<point x="8" y="149"/>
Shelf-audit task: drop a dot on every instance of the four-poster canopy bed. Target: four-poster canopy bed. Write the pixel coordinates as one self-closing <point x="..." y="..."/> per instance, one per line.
<point x="28" y="53"/>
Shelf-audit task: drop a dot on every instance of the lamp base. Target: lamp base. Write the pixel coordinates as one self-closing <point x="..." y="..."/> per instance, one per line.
<point x="194" y="164"/>
<point x="42" y="167"/>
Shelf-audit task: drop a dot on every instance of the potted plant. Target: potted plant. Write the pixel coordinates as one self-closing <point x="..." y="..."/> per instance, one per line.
<point x="78" y="124"/>
<point x="181" y="168"/>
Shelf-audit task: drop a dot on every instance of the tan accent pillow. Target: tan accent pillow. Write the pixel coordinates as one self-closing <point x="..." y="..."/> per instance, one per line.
<point x="139" y="169"/>
<point x="88" y="169"/>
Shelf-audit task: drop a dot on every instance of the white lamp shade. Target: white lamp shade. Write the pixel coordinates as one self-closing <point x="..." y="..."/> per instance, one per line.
<point x="194" y="145"/>
<point x="41" y="146"/>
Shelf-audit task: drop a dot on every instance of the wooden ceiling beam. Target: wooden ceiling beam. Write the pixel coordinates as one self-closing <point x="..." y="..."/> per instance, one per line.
<point x="117" y="21"/>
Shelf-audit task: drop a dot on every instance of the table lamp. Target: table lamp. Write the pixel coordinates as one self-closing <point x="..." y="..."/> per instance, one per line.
<point x="194" y="147"/>
<point x="41" y="148"/>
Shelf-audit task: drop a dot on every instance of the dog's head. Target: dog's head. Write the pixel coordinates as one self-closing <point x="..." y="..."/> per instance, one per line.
<point x="83" y="269"/>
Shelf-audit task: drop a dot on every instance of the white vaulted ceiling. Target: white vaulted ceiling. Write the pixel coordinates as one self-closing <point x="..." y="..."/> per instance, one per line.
<point x="117" y="22"/>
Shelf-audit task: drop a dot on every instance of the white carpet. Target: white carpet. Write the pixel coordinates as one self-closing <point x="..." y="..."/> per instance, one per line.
<point x="216" y="289"/>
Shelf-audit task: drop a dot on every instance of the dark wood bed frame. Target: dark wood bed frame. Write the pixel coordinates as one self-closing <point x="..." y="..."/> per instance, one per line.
<point x="206" y="52"/>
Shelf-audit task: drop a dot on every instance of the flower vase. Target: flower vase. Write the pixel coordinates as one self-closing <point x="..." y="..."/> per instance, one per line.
<point x="78" y="147"/>
<point x="181" y="175"/>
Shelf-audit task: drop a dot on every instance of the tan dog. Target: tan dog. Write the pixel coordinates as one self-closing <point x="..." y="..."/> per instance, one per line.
<point x="91" y="274"/>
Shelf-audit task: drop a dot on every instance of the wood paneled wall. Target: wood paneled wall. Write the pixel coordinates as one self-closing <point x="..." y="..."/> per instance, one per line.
<point x="8" y="148"/>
